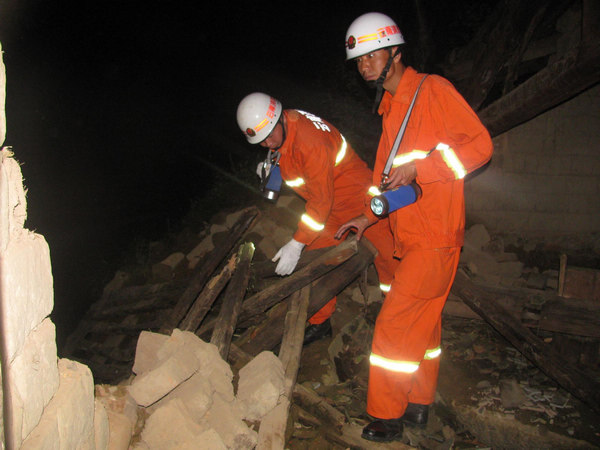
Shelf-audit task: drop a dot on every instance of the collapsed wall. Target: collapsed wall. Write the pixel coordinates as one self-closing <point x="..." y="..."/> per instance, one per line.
<point x="48" y="403"/>
<point x="542" y="183"/>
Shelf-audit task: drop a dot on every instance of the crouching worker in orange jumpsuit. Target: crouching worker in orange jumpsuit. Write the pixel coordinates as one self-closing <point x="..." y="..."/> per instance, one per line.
<point x="442" y="142"/>
<point x="317" y="162"/>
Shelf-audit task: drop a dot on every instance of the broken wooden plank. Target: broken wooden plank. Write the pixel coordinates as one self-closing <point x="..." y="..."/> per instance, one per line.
<point x="267" y="334"/>
<point x="206" y="268"/>
<point x="232" y="301"/>
<point x="268" y="297"/>
<point x="578" y="383"/>
<point x="271" y="434"/>
<point x="318" y="406"/>
<point x="207" y="297"/>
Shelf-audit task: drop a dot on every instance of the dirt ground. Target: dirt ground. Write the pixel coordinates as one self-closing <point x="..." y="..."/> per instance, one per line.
<point x="489" y="396"/>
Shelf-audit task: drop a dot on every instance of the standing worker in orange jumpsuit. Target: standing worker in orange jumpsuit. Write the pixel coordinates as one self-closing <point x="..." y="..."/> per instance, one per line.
<point x="317" y="162"/>
<point x="443" y="141"/>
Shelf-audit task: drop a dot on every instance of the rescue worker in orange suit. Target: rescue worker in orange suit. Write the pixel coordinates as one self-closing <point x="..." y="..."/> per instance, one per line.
<point x="317" y="162"/>
<point x="443" y="141"/>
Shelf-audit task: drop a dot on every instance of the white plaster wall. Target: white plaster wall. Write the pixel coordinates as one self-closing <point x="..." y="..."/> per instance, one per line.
<point x="544" y="179"/>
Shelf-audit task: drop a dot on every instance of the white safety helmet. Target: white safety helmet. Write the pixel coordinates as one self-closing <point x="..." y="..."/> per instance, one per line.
<point x="257" y="115"/>
<point x="370" y="32"/>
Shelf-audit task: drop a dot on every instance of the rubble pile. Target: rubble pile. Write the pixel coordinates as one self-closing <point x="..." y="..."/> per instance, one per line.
<point x="182" y="396"/>
<point x="172" y="372"/>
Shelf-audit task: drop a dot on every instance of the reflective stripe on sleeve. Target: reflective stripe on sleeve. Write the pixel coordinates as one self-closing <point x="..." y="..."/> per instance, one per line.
<point x="409" y="157"/>
<point x="312" y="223"/>
<point x="385" y="287"/>
<point x="433" y="353"/>
<point x="295" y="183"/>
<point x="374" y="191"/>
<point x="451" y="160"/>
<point x="393" y="366"/>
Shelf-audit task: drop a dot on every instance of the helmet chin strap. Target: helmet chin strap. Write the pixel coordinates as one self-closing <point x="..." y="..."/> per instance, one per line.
<point x="381" y="79"/>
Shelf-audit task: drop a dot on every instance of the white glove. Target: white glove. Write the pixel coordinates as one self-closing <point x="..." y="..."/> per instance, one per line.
<point x="288" y="257"/>
<point x="259" y="169"/>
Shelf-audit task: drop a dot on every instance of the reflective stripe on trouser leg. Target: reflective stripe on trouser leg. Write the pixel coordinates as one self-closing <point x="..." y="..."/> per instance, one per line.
<point x="424" y="383"/>
<point x="407" y="325"/>
<point x="380" y="235"/>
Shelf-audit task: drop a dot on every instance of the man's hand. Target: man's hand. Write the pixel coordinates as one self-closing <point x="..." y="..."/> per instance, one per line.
<point x="259" y="169"/>
<point x="402" y="175"/>
<point x="360" y="223"/>
<point x="288" y="257"/>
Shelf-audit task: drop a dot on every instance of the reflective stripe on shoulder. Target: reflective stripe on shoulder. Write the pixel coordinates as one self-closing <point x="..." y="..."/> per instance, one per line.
<point x="312" y="223"/>
<point x="392" y="365"/>
<point x="342" y="152"/>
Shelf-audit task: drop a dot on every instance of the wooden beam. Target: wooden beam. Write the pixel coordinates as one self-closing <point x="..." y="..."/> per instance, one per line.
<point x="574" y="73"/>
<point x="207" y="297"/>
<point x="271" y="434"/>
<point x="581" y="385"/>
<point x="267" y="334"/>
<point x="272" y="295"/>
<point x="540" y="310"/>
<point x="232" y="301"/>
<point x="206" y="268"/>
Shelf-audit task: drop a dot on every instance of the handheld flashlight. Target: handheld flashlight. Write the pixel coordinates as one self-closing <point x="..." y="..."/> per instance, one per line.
<point x="390" y="201"/>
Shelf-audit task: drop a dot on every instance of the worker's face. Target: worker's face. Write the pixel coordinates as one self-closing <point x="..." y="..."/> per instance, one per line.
<point x="371" y="65"/>
<point x="275" y="139"/>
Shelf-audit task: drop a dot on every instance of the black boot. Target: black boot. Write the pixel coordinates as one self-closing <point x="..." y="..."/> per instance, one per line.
<point x="416" y="414"/>
<point x="383" y="430"/>
<point x="315" y="332"/>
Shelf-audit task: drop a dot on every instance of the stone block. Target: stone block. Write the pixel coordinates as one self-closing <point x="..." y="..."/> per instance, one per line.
<point x="477" y="236"/>
<point x="26" y="286"/>
<point x="146" y="351"/>
<point x="195" y="393"/>
<point x="34" y="378"/>
<point x="12" y="197"/>
<point x="122" y="412"/>
<point x="101" y="426"/>
<point x="170" y="427"/>
<point x="225" y="419"/>
<point x="154" y="384"/>
<point x="68" y="420"/>
<point x="581" y="282"/>
<point x="260" y="384"/>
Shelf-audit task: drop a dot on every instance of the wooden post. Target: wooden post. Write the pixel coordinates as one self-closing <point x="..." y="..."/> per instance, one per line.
<point x="232" y="301"/>
<point x="271" y="434"/>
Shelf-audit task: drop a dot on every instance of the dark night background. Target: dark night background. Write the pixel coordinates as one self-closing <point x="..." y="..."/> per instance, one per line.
<point x="114" y="108"/>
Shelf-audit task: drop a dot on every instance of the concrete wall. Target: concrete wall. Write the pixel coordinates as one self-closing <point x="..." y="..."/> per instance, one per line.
<point x="544" y="180"/>
<point x="48" y="403"/>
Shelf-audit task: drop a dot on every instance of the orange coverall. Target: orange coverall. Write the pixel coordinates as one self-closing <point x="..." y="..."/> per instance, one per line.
<point x="319" y="165"/>
<point x="428" y="234"/>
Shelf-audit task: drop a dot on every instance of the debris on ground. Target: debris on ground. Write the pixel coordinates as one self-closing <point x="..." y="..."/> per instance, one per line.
<point x="169" y="362"/>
